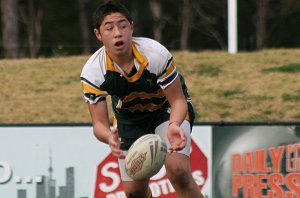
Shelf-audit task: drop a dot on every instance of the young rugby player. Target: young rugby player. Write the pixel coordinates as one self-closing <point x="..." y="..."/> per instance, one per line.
<point x="148" y="96"/>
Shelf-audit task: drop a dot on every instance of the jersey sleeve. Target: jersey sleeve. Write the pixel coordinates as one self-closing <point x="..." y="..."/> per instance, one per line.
<point x="160" y="61"/>
<point x="166" y="70"/>
<point x="91" y="93"/>
<point x="168" y="74"/>
<point x="92" y="76"/>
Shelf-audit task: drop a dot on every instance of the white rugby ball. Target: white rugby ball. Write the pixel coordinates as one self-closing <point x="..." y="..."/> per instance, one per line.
<point x="145" y="157"/>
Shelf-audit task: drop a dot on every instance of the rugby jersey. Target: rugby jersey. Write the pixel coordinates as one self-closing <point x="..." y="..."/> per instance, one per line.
<point x="133" y="97"/>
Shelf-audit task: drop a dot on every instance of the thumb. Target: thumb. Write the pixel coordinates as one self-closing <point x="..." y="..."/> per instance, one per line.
<point x="114" y="130"/>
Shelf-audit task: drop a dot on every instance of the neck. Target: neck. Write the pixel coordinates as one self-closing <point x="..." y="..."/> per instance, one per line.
<point x="125" y="61"/>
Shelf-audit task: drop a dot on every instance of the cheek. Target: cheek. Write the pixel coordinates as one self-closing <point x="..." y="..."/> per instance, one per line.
<point x="106" y="35"/>
<point x="107" y="40"/>
<point x="127" y="34"/>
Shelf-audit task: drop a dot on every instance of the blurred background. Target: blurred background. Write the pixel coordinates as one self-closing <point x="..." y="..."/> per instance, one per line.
<point x="34" y="28"/>
<point x="44" y="122"/>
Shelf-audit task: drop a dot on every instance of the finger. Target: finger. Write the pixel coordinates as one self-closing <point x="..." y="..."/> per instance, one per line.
<point x="171" y="150"/>
<point x="114" y="130"/>
<point x="183" y="144"/>
<point x="176" y="143"/>
<point x="113" y="144"/>
<point x="117" y="152"/>
<point x="114" y="141"/>
<point x="179" y="146"/>
<point x="173" y="147"/>
<point x="118" y="155"/>
<point x="114" y="133"/>
<point x="122" y="155"/>
<point x="182" y="135"/>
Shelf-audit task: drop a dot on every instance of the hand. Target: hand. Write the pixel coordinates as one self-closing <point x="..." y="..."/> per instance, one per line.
<point x="176" y="137"/>
<point x="114" y="143"/>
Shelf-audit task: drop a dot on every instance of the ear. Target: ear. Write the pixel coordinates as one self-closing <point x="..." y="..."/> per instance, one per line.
<point x="97" y="34"/>
<point x="132" y="26"/>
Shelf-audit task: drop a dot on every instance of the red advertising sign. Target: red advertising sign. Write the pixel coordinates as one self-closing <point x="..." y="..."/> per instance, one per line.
<point x="109" y="185"/>
<point x="256" y="161"/>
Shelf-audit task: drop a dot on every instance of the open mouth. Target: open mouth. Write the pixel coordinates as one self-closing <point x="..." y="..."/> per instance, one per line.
<point x="119" y="43"/>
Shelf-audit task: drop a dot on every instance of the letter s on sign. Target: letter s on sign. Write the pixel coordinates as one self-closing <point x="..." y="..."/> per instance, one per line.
<point x="6" y="174"/>
<point x="114" y="176"/>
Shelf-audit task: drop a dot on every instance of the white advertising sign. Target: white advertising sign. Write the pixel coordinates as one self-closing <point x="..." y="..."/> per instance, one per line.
<point x="64" y="162"/>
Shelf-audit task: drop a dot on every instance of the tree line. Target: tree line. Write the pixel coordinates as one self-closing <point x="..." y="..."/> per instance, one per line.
<point x="34" y="28"/>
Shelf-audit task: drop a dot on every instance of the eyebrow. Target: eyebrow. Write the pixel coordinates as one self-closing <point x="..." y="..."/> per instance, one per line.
<point x="111" y="22"/>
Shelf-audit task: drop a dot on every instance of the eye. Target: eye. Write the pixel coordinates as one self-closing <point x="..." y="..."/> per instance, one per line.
<point x="123" y="25"/>
<point x="108" y="27"/>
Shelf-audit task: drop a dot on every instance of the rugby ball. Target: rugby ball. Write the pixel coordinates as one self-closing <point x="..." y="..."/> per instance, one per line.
<point x="145" y="157"/>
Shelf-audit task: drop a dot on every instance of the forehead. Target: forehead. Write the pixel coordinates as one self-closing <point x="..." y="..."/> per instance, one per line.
<point x="113" y="17"/>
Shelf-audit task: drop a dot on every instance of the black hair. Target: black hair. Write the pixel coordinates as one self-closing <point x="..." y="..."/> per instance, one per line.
<point x="107" y="8"/>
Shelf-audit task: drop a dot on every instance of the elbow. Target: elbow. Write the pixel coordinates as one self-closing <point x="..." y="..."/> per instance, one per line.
<point x="96" y="134"/>
<point x="97" y="131"/>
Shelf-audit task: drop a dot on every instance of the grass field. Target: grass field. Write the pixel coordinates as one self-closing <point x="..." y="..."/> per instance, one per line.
<point x="248" y="86"/>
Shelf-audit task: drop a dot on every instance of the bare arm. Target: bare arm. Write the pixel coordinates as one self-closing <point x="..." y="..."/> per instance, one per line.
<point x="101" y="127"/>
<point x="100" y="120"/>
<point x="179" y="108"/>
<point x="177" y="101"/>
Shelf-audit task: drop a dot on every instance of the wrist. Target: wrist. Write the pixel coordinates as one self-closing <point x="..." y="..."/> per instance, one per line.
<point x="174" y="122"/>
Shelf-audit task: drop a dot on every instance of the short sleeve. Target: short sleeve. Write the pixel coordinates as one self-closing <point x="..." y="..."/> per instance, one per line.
<point x="168" y="75"/>
<point x="92" y="77"/>
<point x="91" y="93"/>
<point x="160" y="61"/>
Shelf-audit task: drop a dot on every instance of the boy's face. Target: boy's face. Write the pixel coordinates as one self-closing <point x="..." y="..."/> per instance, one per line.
<point x="115" y="33"/>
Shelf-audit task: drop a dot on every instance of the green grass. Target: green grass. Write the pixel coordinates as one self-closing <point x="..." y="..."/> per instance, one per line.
<point x="290" y="68"/>
<point x="291" y="96"/>
<point x="232" y="93"/>
<point x="207" y="70"/>
<point x="248" y="86"/>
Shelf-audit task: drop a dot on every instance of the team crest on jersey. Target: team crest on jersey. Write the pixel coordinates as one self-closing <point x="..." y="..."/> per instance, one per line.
<point x="169" y="110"/>
<point x="150" y="82"/>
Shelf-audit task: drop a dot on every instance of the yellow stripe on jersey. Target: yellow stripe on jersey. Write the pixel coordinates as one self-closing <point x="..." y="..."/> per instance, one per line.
<point x="187" y="116"/>
<point x="119" y="105"/>
<point x="149" y="193"/>
<point x="169" y="70"/>
<point x="115" y="122"/>
<point x="143" y="62"/>
<point x="143" y="95"/>
<point x="149" y="107"/>
<point x="139" y="57"/>
<point x="89" y="89"/>
<point x="109" y="64"/>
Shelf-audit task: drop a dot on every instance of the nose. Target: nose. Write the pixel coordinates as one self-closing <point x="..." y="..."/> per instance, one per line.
<point x="117" y="32"/>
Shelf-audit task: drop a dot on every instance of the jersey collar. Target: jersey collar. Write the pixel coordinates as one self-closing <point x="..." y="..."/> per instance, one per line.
<point x="139" y="58"/>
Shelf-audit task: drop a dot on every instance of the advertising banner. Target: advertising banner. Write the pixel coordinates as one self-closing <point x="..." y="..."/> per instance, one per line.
<point x="257" y="161"/>
<point x="69" y="162"/>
